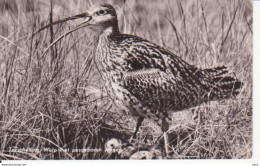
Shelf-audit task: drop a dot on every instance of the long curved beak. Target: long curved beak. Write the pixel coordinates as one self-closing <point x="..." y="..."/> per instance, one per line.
<point x="82" y="15"/>
<point x="82" y="24"/>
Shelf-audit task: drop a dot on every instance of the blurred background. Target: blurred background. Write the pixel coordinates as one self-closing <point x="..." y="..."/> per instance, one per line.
<point x="51" y="95"/>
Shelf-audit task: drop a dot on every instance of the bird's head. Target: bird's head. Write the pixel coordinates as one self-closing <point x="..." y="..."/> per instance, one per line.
<point x="102" y="18"/>
<point x="101" y="15"/>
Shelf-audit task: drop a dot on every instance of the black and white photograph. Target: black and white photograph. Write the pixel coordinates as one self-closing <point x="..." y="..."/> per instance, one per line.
<point x="126" y="79"/>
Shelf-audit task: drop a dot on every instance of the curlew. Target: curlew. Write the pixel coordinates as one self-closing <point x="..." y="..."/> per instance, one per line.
<point x="146" y="79"/>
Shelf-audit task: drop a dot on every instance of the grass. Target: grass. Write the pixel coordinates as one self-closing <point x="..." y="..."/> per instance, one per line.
<point x="52" y="101"/>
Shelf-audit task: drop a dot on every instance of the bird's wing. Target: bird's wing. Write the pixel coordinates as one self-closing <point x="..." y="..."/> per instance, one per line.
<point x="158" y="78"/>
<point x="161" y="80"/>
<point x="142" y="54"/>
<point x="158" y="90"/>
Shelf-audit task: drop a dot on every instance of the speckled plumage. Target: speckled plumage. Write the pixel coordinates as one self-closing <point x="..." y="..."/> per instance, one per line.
<point x="148" y="80"/>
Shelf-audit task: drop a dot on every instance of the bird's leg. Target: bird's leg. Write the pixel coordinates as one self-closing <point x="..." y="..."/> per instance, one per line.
<point x="139" y="122"/>
<point x="165" y="127"/>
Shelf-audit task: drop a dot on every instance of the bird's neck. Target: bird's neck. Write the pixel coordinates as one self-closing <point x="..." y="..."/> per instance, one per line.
<point x="105" y="59"/>
<point x="110" y="29"/>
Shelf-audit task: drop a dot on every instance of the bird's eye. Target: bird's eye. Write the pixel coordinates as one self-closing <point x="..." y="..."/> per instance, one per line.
<point x="101" y="12"/>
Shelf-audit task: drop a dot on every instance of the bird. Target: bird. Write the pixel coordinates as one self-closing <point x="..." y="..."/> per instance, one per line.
<point x="146" y="79"/>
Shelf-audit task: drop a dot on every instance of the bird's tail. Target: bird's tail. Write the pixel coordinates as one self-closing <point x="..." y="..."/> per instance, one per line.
<point x="223" y="85"/>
